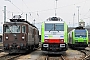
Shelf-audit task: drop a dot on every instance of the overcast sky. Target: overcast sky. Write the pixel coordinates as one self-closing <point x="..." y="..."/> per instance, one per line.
<point x="40" y="10"/>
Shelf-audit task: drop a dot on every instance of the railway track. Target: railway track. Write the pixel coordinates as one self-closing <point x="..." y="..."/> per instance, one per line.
<point x="9" y="57"/>
<point x="1" y="50"/>
<point x="53" y="57"/>
<point x="86" y="54"/>
<point x="63" y="56"/>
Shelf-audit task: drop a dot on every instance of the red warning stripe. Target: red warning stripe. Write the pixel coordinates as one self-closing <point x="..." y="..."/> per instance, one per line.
<point x="54" y="40"/>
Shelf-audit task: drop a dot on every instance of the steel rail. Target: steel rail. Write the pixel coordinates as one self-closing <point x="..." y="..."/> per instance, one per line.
<point x="62" y="57"/>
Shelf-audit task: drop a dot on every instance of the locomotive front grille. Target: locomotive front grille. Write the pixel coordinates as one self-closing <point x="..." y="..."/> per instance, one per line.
<point x="81" y="44"/>
<point x="54" y="45"/>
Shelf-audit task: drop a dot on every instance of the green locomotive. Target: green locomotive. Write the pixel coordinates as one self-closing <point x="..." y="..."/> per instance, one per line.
<point x="78" y="37"/>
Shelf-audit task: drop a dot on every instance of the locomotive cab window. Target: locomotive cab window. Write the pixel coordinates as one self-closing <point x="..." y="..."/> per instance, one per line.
<point x="54" y="27"/>
<point x="23" y="29"/>
<point x="12" y="29"/>
<point x="79" y="33"/>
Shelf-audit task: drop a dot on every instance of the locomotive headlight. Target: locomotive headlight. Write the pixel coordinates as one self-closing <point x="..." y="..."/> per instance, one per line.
<point x="23" y="37"/>
<point x="45" y="45"/>
<point x="62" y="45"/>
<point x="46" y="40"/>
<point x="6" y="37"/>
<point x="62" y="40"/>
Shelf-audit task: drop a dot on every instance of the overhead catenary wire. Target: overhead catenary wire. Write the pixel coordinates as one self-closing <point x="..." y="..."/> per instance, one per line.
<point x="86" y="14"/>
<point x="50" y="8"/>
<point x="14" y="5"/>
<point x="30" y="13"/>
<point x="60" y="7"/>
<point x="46" y="9"/>
<point x="17" y="7"/>
<point x="25" y="4"/>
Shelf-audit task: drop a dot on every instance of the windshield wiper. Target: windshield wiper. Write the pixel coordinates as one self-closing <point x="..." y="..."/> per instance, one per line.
<point x="51" y="29"/>
<point x="17" y="28"/>
<point x="10" y="30"/>
<point x="57" y="30"/>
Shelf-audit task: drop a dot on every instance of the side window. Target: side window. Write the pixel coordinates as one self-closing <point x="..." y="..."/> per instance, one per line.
<point x="32" y="32"/>
<point x="23" y="28"/>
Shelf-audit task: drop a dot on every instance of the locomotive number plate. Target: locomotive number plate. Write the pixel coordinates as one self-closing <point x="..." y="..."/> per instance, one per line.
<point x="54" y="33"/>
